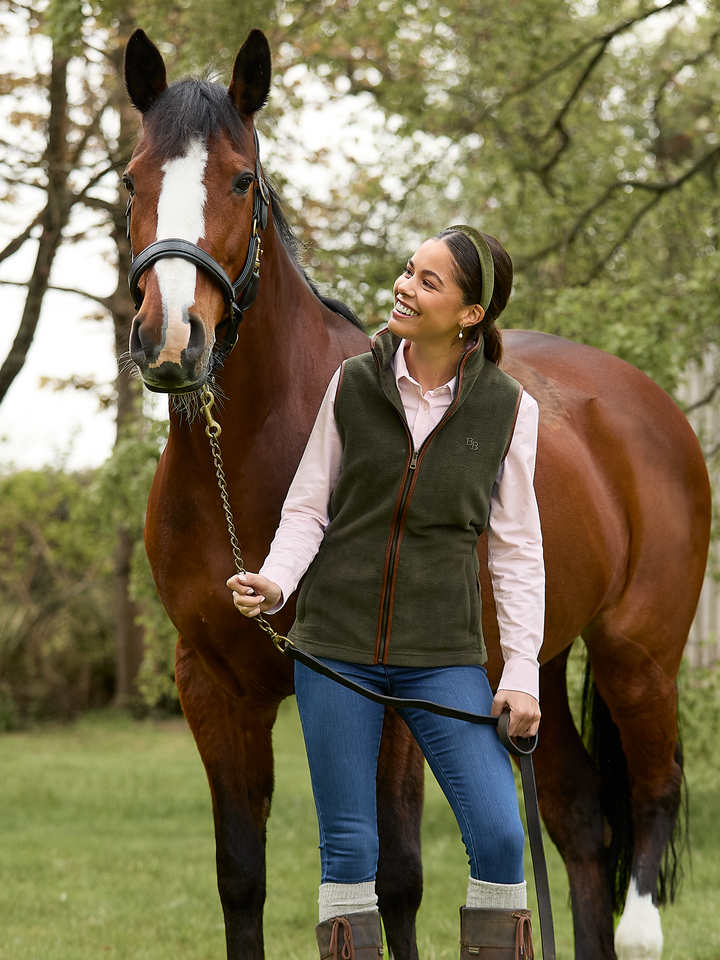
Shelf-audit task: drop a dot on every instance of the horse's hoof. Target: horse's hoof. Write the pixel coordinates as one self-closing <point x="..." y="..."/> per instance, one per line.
<point x="639" y="933"/>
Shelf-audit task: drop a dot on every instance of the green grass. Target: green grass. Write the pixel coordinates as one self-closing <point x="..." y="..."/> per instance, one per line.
<point x="107" y="850"/>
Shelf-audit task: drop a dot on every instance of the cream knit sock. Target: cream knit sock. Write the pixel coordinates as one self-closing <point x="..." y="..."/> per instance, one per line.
<point x="338" y="899"/>
<point x="500" y="896"/>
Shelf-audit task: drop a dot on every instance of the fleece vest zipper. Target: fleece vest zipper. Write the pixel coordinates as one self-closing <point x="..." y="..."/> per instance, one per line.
<point x="396" y="577"/>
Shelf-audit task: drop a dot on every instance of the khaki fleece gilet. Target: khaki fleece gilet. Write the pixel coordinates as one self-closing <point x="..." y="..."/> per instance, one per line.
<point x="396" y="577"/>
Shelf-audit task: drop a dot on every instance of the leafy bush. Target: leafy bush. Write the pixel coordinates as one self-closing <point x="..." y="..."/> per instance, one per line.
<point x="56" y="599"/>
<point x="118" y="497"/>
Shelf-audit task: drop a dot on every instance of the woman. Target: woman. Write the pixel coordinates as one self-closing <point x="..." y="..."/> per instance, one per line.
<point x="418" y="446"/>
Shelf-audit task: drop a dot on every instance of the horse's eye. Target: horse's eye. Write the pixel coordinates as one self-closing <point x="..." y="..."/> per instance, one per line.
<point x="128" y="183"/>
<point x="242" y="183"/>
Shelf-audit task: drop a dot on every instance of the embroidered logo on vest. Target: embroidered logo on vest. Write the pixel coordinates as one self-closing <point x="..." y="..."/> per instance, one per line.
<point x="473" y="444"/>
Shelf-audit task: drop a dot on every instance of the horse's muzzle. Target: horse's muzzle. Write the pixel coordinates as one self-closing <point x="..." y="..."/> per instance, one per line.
<point x="167" y="366"/>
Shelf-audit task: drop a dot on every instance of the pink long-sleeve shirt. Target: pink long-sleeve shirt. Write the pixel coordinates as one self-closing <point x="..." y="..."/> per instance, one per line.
<point x="515" y="556"/>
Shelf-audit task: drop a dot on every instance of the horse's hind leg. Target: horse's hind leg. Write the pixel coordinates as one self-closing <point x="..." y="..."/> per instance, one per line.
<point x="399" y="802"/>
<point x="642" y="701"/>
<point x="569" y="794"/>
<point x="234" y="741"/>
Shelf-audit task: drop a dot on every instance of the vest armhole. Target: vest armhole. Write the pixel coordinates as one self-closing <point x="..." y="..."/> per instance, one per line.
<point x="512" y="429"/>
<point x="337" y="391"/>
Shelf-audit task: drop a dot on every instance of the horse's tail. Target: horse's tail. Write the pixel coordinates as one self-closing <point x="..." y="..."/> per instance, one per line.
<point x="602" y="742"/>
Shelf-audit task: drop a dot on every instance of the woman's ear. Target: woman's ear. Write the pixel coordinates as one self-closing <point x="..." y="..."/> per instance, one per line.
<point x="473" y="316"/>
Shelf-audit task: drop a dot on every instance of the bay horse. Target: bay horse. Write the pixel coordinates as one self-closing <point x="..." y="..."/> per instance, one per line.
<point x="624" y="503"/>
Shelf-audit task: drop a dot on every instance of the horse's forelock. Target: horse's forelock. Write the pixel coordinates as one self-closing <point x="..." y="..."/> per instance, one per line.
<point x="192" y="109"/>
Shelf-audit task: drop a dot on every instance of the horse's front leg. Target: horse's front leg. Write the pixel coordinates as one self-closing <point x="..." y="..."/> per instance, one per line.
<point x="400" y="802"/>
<point x="234" y="740"/>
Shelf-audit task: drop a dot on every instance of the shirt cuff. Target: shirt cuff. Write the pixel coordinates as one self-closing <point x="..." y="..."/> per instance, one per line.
<point x="521" y="674"/>
<point x="283" y="579"/>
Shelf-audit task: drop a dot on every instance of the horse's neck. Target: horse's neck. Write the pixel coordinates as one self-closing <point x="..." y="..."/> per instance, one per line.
<point x="273" y="381"/>
<point x="283" y="341"/>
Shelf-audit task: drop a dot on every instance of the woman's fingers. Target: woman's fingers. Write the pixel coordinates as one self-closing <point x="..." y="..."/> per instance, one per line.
<point x="524" y="712"/>
<point x="253" y="594"/>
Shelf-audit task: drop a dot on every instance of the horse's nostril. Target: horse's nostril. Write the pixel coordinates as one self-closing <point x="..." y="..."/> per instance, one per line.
<point x="141" y="346"/>
<point x="196" y="341"/>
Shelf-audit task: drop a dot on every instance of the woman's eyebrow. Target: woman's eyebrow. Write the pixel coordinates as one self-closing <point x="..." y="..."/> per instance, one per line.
<point x="430" y="273"/>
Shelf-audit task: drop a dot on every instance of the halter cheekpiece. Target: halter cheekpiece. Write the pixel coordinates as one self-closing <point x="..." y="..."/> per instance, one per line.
<point x="239" y="296"/>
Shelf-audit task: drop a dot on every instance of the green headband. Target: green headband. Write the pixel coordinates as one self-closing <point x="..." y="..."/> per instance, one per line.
<point x="487" y="269"/>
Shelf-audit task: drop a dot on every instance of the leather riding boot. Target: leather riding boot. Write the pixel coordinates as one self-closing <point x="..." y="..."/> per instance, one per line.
<point x="357" y="936"/>
<point x="495" y="934"/>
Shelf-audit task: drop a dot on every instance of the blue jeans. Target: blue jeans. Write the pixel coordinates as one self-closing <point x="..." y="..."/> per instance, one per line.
<point x="342" y="732"/>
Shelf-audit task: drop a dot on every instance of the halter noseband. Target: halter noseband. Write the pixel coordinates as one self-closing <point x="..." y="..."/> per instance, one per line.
<point x="239" y="296"/>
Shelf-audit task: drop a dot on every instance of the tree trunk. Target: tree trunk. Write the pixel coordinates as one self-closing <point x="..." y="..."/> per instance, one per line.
<point x="129" y="646"/>
<point x="53" y="218"/>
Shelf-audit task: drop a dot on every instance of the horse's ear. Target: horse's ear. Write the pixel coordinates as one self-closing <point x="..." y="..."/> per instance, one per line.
<point x="145" y="76"/>
<point x="250" y="84"/>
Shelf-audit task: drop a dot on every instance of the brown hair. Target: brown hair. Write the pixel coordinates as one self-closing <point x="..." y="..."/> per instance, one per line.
<point x="468" y="277"/>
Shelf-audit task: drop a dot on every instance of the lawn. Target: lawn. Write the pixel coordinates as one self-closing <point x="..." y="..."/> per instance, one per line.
<point x="106" y="850"/>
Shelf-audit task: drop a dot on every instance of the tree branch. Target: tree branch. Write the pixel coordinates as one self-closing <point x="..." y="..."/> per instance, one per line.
<point x="602" y="262"/>
<point x="603" y="41"/>
<point x="53" y="219"/>
<point x="103" y="301"/>
<point x="703" y="401"/>
<point x="18" y="241"/>
<point x="615" y="31"/>
<point x="659" y="189"/>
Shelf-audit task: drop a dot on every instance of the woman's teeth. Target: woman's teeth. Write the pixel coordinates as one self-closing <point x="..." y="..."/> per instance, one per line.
<point x="405" y="311"/>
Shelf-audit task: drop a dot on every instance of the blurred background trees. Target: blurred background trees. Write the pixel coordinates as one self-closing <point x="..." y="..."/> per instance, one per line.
<point x="585" y="135"/>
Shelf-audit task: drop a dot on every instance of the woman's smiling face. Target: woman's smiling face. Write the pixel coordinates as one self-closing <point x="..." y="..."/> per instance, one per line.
<point x="428" y="302"/>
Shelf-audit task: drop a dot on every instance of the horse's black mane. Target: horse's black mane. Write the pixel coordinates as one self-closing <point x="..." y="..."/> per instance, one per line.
<point x="190" y="109"/>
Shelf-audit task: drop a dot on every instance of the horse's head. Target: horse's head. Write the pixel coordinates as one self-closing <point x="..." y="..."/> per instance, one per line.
<point x="197" y="202"/>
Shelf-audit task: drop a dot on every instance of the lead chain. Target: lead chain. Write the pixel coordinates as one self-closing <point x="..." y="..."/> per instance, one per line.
<point x="213" y="431"/>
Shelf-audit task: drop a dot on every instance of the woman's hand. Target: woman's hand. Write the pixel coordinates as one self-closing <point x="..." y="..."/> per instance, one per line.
<point x="524" y="712"/>
<point x="253" y="594"/>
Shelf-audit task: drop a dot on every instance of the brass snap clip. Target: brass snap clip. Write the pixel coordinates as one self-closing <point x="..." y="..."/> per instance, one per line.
<point x="213" y="428"/>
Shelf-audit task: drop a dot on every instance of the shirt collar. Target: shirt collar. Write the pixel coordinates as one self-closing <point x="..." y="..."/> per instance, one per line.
<point x="400" y="369"/>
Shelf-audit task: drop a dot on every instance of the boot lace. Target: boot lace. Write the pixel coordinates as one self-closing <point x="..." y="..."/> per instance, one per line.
<point x="348" y="948"/>
<point x="523" y="938"/>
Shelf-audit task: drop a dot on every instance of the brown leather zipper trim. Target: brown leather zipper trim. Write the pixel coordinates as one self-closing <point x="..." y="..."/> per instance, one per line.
<point x="512" y="429"/>
<point x="337" y="391"/>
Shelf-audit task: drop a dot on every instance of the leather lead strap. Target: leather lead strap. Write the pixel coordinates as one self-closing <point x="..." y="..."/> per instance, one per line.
<point x="523" y="749"/>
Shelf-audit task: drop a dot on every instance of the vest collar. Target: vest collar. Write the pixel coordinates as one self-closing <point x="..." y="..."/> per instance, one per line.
<point x="384" y="346"/>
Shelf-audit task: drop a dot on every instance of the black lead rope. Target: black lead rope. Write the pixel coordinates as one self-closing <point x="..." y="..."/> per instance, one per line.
<point x="523" y="749"/>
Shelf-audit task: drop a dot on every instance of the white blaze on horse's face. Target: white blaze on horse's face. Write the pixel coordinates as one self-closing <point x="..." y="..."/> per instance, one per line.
<point x="180" y="214"/>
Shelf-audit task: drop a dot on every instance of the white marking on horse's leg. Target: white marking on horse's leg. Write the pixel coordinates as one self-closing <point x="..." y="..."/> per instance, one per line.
<point x="181" y="214"/>
<point x="639" y="934"/>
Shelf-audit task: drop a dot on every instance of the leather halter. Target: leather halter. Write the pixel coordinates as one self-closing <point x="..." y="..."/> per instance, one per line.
<point x="239" y="296"/>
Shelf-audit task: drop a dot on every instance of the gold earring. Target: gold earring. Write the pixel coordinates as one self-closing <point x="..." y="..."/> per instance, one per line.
<point x="460" y="335"/>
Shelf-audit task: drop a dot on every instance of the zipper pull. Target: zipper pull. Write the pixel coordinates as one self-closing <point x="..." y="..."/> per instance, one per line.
<point x="414" y="459"/>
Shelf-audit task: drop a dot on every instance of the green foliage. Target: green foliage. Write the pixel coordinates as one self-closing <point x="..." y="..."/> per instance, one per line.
<point x="56" y="625"/>
<point x="699" y="716"/>
<point x="119" y="495"/>
<point x="63" y="23"/>
<point x="58" y="538"/>
<point x="584" y="136"/>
